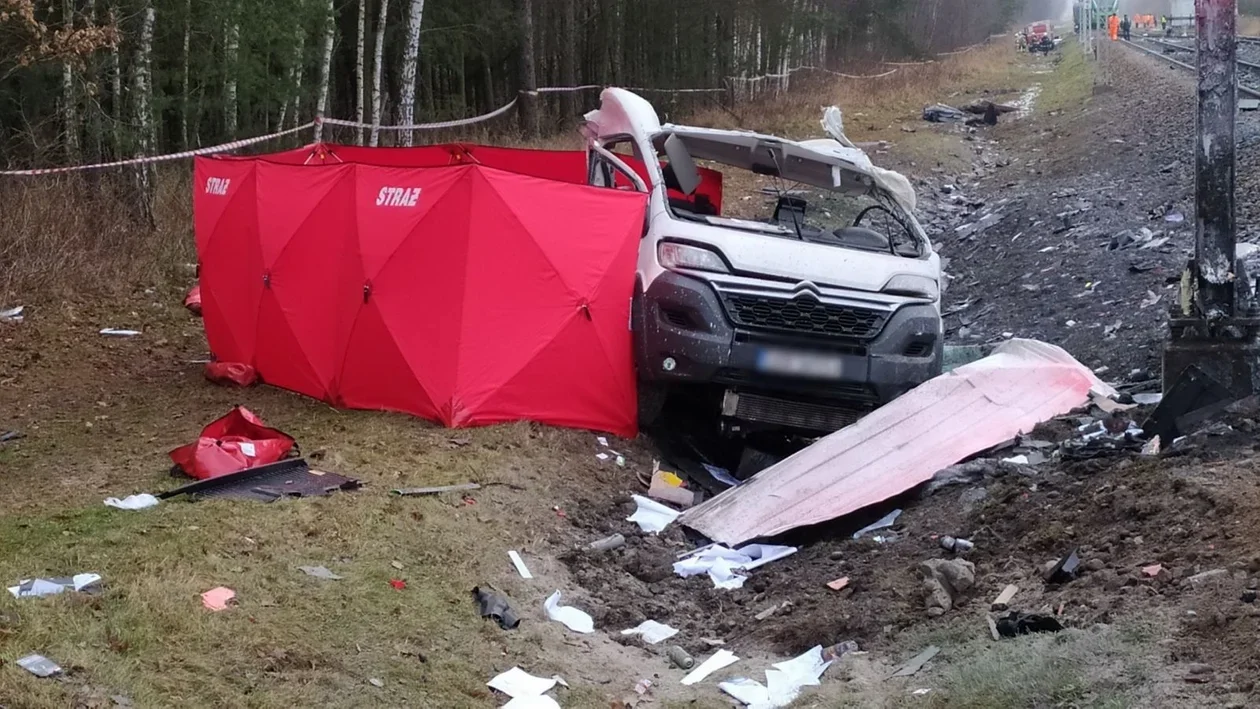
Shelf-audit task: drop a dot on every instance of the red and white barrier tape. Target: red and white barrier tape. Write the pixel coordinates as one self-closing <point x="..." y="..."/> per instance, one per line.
<point x="149" y="159"/>
<point x="428" y="126"/>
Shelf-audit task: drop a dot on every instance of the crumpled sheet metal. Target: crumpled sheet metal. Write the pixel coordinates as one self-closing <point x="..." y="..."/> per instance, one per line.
<point x="903" y="443"/>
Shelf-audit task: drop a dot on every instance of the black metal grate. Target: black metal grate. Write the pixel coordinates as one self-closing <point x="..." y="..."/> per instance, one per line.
<point x="796" y="414"/>
<point x="803" y="315"/>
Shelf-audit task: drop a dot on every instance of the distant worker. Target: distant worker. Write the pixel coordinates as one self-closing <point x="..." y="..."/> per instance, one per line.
<point x="1125" y="26"/>
<point x="1113" y="27"/>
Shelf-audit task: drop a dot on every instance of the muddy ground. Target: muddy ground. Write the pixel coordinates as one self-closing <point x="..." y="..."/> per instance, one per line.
<point x="1103" y="150"/>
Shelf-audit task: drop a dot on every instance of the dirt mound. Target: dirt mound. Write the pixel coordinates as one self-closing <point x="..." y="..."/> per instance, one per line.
<point x="1121" y="516"/>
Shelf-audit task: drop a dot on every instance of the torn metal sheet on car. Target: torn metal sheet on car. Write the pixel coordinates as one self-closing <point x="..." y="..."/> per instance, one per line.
<point x="904" y="443"/>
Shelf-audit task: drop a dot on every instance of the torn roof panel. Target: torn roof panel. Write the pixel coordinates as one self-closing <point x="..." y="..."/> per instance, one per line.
<point x="903" y="443"/>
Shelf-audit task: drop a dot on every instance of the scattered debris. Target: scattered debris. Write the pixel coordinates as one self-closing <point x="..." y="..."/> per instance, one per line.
<point x="958" y="546"/>
<point x="940" y="113"/>
<point x="917" y="662"/>
<point x="839" y="584"/>
<point x="410" y="491"/>
<point x="1023" y="383"/>
<point x="39" y="665"/>
<point x="237" y="441"/>
<point x="192" y="301"/>
<point x="572" y="618"/>
<point x="6" y="436"/>
<point x="376" y="682"/>
<point x="616" y="541"/>
<point x="1016" y="623"/>
<point x="1065" y="570"/>
<point x="114" y="332"/>
<point x="944" y="580"/>
<point x="1174" y="217"/>
<point x="133" y="502"/>
<point x="38" y="588"/>
<point x="491" y="604"/>
<point x="651" y="516"/>
<point x="319" y="572"/>
<point x="268" y="483"/>
<point x="719" y="660"/>
<point x="668" y="487"/>
<point x="231" y="374"/>
<point x="519" y="684"/>
<point x="652" y="632"/>
<point x="884" y="522"/>
<point x="398" y="584"/>
<point x="840" y="649"/>
<point x="721" y="563"/>
<point x="721" y="475"/>
<point x="13" y="314"/>
<point x="772" y="610"/>
<point x="519" y="563"/>
<point x="217" y="599"/>
<point x="783" y="683"/>
<point x="1003" y="601"/>
<point x="680" y="658"/>
<point x="1152" y="570"/>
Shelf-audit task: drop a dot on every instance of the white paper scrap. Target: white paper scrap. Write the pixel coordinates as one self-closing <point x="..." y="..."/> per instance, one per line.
<point x="519" y="683"/>
<point x="1017" y="460"/>
<point x="540" y="702"/>
<point x="247" y="447"/>
<point x="721" y="563"/>
<point x="574" y="619"/>
<point x="38" y="588"/>
<point x="602" y="441"/>
<point x="652" y="516"/>
<point x="719" y="660"/>
<point x="132" y="502"/>
<point x="519" y="563"/>
<point x="602" y="456"/>
<point x="783" y="683"/>
<point x="652" y="632"/>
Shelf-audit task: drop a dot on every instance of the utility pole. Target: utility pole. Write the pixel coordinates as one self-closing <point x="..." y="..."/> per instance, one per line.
<point x="1213" y="329"/>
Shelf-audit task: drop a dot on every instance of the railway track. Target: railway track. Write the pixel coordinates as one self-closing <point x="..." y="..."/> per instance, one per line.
<point x="1247" y="70"/>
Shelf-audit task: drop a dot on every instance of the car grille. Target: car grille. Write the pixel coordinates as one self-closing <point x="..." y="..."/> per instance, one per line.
<point x="796" y="414"/>
<point x="803" y="315"/>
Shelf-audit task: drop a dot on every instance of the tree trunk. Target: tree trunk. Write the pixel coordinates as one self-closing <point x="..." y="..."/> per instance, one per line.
<point x="143" y="109"/>
<point x="93" y="97"/>
<point x="568" y="59"/>
<point x="377" y="69"/>
<point x="232" y="43"/>
<point x="115" y="88"/>
<point x="69" y="97"/>
<point x="295" y="77"/>
<point x="325" y="69"/>
<point x="360" y="90"/>
<point x="407" y="89"/>
<point x="185" y="87"/>
<point x="529" y="81"/>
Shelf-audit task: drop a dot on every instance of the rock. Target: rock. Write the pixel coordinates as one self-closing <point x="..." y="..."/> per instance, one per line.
<point x="1200" y="579"/>
<point x="1198" y="668"/>
<point x="1095" y="565"/>
<point x="837" y="556"/>
<point x="944" y="580"/>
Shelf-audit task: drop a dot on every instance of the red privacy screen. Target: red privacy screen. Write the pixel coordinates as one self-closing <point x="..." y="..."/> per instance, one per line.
<point x="460" y="293"/>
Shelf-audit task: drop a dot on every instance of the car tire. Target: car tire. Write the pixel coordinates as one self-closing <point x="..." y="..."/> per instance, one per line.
<point x="652" y="399"/>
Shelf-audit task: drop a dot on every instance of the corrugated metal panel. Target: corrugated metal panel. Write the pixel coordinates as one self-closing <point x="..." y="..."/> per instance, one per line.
<point x="902" y="444"/>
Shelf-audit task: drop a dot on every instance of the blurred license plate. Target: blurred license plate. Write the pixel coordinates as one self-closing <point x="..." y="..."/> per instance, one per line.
<point x="799" y="364"/>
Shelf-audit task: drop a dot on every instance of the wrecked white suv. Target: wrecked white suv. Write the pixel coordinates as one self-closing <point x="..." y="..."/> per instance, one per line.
<point x="798" y="307"/>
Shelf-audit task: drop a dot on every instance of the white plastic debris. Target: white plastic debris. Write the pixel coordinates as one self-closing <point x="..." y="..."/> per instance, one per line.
<point x="719" y="660"/>
<point x="114" y="332"/>
<point x="13" y="314"/>
<point x="525" y="689"/>
<point x="38" y="588"/>
<point x="602" y="441"/>
<point x="652" y="632"/>
<point x="721" y="563"/>
<point x="652" y="516"/>
<point x="602" y="456"/>
<point x="133" y="502"/>
<point x="1148" y="398"/>
<point x="884" y="522"/>
<point x="39" y="665"/>
<point x="572" y="618"/>
<point x="1017" y="460"/>
<point x="783" y="683"/>
<point x="721" y="475"/>
<point x="519" y="563"/>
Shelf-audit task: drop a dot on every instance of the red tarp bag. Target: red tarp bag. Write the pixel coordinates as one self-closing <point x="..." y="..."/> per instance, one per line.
<point x="237" y="373"/>
<point x="238" y="441"/>
<point x="193" y="301"/>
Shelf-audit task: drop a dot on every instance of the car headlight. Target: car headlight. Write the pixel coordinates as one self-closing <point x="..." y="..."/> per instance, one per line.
<point x="913" y="287"/>
<point x="676" y="256"/>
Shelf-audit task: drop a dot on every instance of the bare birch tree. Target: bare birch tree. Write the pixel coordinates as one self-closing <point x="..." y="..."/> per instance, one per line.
<point x="185" y="87"/>
<point x="142" y="95"/>
<point x="360" y="90"/>
<point x="232" y="43"/>
<point x="407" y="87"/>
<point x="377" y="71"/>
<point x="69" y="96"/>
<point x="325" y="69"/>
